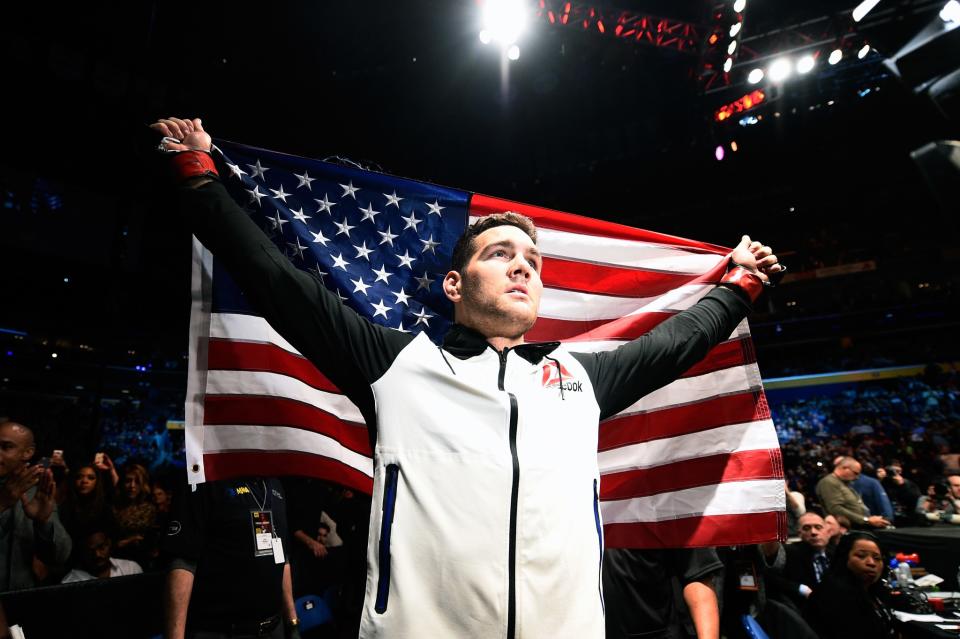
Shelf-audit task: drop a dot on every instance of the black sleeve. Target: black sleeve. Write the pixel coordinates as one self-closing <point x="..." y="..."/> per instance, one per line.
<point x="694" y="564"/>
<point x="622" y="376"/>
<point x="185" y="536"/>
<point x="350" y="350"/>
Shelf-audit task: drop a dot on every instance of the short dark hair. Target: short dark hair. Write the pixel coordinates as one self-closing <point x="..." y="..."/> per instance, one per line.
<point x="465" y="246"/>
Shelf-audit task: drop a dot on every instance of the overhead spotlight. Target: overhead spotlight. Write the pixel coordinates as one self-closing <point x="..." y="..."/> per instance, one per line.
<point x="734" y="147"/>
<point x="805" y="64"/>
<point x="835" y="56"/>
<point x="755" y="76"/>
<point x="739" y="5"/>
<point x="727" y="65"/>
<point x="735" y="29"/>
<point x="718" y="153"/>
<point x="863" y="9"/>
<point x="780" y="70"/>
<point x="731" y="47"/>
<point x="485" y="36"/>
<point x="864" y="50"/>
<point x="951" y="13"/>
<point x="504" y="20"/>
<point x="513" y="52"/>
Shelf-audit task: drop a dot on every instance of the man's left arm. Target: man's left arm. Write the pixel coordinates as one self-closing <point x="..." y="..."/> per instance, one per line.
<point x="701" y="600"/>
<point x="290" y="621"/>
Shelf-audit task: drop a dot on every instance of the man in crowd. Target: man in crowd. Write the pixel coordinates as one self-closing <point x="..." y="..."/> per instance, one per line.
<point x="903" y="493"/>
<point x="838" y="498"/>
<point x="95" y="561"/>
<point x="806" y="564"/>
<point x="29" y="526"/>
<point x="467" y="439"/>
<point x="228" y="575"/>
<point x="874" y="496"/>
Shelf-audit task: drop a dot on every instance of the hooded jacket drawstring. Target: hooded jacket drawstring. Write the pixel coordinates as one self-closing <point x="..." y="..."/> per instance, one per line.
<point x="559" y="372"/>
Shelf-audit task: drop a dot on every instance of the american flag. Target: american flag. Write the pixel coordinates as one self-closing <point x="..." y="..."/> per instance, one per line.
<point x="695" y="463"/>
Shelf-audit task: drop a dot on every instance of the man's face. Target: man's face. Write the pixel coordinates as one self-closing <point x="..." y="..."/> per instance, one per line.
<point x="16" y="448"/>
<point x="501" y="286"/>
<point x="954" y="486"/>
<point x="322" y="534"/>
<point x="96" y="553"/>
<point x="813" y="531"/>
<point x="849" y="472"/>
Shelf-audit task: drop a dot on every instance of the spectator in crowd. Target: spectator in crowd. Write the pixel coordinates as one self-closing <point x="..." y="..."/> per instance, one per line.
<point x="939" y="505"/>
<point x="796" y="506"/>
<point x="104" y="465"/>
<point x="135" y="516"/>
<point x="838" y="498"/>
<point x="94" y="560"/>
<point x="85" y="505"/>
<point x="29" y="525"/>
<point x="639" y="595"/>
<point x="229" y="576"/>
<point x="849" y="603"/>
<point x="873" y="494"/>
<point x="806" y="563"/>
<point x="904" y="494"/>
<point x="953" y="486"/>
<point x="839" y="526"/>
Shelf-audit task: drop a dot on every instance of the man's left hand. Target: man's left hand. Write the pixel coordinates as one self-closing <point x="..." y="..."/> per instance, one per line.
<point x="40" y="507"/>
<point x="756" y="257"/>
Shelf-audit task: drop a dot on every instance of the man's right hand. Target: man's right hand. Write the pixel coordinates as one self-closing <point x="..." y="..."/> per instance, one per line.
<point x="319" y="550"/>
<point x="17" y="484"/>
<point x="877" y="521"/>
<point x="189" y="132"/>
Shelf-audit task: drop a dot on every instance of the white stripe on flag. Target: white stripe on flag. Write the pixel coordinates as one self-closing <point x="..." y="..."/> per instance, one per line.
<point x="732" y="498"/>
<point x="249" y="328"/>
<point x="266" y="384"/>
<point x="727" y="381"/>
<point x="578" y="306"/>
<point x="755" y="435"/>
<point x="224" y="438"/>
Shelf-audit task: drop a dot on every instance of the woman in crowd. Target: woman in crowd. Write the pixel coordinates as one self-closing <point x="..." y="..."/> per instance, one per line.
<point x="849" y="603"/>
<point x="136" y="517"/>
<point x="86" y="503"/>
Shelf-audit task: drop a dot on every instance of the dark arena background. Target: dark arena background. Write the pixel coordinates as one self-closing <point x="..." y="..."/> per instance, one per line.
<point x="833" y="140"/>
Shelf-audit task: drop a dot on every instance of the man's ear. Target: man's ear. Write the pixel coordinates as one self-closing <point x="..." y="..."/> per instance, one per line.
<point x="452" y="286"/>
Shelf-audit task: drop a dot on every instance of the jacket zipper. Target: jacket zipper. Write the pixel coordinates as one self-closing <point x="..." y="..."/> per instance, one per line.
<point x="514" y="493"/>
<point x="596" y="518"/>
<point x="386" y="526"/>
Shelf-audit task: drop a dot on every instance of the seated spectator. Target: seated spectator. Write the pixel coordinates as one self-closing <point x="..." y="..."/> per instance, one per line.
<point x="806" y="565"/>
<point x="85" y="505"/>
<point x="849" y="604"/>
<point x="838" y="498"/>
<point x="939" y="504"/>
<point x="136" y="517"/>
<point x="904" y="494"/>
<point x="874" y="496"/>
<point x="29" y="525"/>
<point x="94" y="560"/>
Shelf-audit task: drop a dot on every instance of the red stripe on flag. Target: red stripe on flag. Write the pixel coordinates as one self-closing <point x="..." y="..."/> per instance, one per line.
<point x="690" y="473"/>
<point x="698" y="532"/>
<point x="726" y="355"/>
<point x="230" y="464"/>
<point x="485" y="205"/>
<point x="280" y="411"/>
<point x="606" y="279"/>
<point x="631" y="327"/>
<point x="681" y="420"/>
<point x="225" y="354"/>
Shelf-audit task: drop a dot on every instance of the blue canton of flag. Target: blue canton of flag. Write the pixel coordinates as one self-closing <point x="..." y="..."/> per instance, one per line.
<point x="381" y="243"/>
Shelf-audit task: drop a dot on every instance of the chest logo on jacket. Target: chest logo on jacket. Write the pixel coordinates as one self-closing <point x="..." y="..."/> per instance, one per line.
<point x="556" y="375"/>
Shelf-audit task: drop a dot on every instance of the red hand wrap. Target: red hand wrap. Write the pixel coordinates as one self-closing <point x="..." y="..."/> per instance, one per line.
<point x="188" y="164"/>
<point x="750" y="282"/>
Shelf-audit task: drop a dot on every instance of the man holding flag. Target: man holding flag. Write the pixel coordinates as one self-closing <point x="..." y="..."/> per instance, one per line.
<point x="484" y="447"/>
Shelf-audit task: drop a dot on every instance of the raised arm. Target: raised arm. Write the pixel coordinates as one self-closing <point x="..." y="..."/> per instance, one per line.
<point x="625" y="374"/>
<point x="349" y="349"/>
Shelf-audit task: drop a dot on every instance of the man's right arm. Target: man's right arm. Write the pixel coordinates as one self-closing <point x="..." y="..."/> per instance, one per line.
<point x="176" y="601"/>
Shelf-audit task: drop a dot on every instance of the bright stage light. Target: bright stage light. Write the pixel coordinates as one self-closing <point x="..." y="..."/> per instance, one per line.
<point x="735" y="29"/>
<point x="739" y="6"/>
<point x="951" y="13"/>
<point x="780" y="70"/>
<point x="731" y="47"/>
<point x="504" y="20"/>
<point x="835" y="56"/>
<point x="863" y="9"/>
<point x="864" y="50"/>
<point x="805" y="64"/>
<point x="513" y="52"/>
<point x="755" y="76"/>
<point x="727" y="65"/>
<point x="718" y="153"/>
<point x="485" y="36"/>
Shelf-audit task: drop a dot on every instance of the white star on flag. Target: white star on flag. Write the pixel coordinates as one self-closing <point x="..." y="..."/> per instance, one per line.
<point x="257" y="170"/>
<point x="344" y="227"/>
<point x="423" y="316"/>
<point x="325" y="204"/>
<point x="236" y="171"/>
<point x="363" y="251"/>
<point x="349" y="189"/>
<point x="339" y="262"/>
<point x="305" y="180"/>
<point x="430" y="245"/>
<point x="296" y="247"/>
<point x="382" y="274"/>
<point x="255" y="194"/>
<point x="387" y="237"/>
<point x="435" y="208"/>
<point x="381" y="309"/>
<point x="411" y="221"/>
<point x="393" y="199"/>
<point x="406" y="260"/>
<point x="402" y="297"/>
<point x="300" y="216"/>
<point x="424" y="282"/>
<point x="319" y="238"/>
<point x="279" y="194"/>
<point x="359" y="286"/>
<point x="369" y="213"/>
